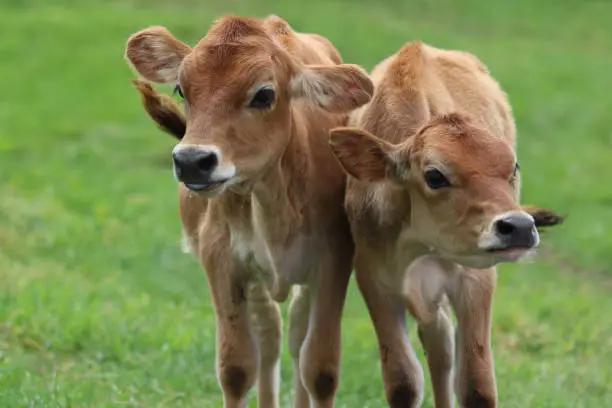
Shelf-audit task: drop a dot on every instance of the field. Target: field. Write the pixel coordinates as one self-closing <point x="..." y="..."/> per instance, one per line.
<point x="99" y="307"/>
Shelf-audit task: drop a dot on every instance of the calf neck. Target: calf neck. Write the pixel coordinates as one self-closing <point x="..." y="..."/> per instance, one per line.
<point x="261" y="195"/>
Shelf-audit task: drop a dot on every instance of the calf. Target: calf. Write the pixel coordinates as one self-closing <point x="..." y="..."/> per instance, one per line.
<point x="260" y="193"/>
<point x="433" y="205"/>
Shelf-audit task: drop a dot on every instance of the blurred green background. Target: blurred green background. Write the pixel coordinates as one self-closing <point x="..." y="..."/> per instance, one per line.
<point x="99" y="307"/>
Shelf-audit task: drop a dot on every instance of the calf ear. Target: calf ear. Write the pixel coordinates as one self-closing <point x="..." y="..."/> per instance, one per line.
<point x="164" y="111"/>
<point x="335" y="88"/>
<point x="155" y="54"/>
<point x="543" y="217"/>
<point x="361" y="154"/>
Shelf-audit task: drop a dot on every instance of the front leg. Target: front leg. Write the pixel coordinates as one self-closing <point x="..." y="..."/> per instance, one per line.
<point x="267" y="322"/>
<point x="471" y="297"/>
<point x="424" y="288"/>
<point x="320" y="353"/>
<point x="299" y="317"/>
<point x="237" y="358"/>
<point x="402" y="373"/>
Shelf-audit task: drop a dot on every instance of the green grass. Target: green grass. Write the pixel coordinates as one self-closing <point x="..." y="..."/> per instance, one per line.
<point x="99" y="307"/>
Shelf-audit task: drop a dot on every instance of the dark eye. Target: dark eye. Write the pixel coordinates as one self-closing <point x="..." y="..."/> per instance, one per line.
<point x="177" y="90"/>
<point x="263" y="99"/>
<point x="435" y="179"/>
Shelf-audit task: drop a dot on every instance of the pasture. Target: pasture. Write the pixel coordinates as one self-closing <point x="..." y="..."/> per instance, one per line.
<point x="100" y="308"/>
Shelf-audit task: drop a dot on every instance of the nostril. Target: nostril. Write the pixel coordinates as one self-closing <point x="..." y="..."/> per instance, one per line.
<point x="505" y="227"/>
<point x="207" y="162"/>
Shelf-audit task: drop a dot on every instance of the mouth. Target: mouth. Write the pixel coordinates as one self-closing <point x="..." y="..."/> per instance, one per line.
<point x="483" y="258"/>
<point x="508" y="250"/>
<point x="511" y="254"/>
<point x="205" y="187"/>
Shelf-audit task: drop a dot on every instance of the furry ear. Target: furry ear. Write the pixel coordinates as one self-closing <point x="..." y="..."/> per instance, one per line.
<point x="335" y="88"/>
<point x="155" y="54"/>
<point x="361" y="154"/>
<point x="544" y="218"/>
<point x="164" y="111"/>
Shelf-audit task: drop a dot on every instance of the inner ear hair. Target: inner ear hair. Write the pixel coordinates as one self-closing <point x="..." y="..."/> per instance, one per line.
<point x="361" y="154"/>
<point x="155" y="54"/>
<point x="397" y="163"/>
<point x="335" y="88"/>
<point x="398" y="157"/>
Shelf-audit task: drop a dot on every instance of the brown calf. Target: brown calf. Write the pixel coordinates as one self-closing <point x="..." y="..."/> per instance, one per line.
<point x="433" y="205"/>
<point x="261" y="195"/>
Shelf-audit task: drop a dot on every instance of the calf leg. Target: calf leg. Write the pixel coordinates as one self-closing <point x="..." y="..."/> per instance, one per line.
<point x="471" y="297"/>
<point x="437" y="340"/>
<point x="299" y="311"/>
<point x="267" y="322"/>
<point x="237" y="358"/>
<point x="401" y="370"/>
<point x="425" y="282"/>
<point x="320" y="353"/>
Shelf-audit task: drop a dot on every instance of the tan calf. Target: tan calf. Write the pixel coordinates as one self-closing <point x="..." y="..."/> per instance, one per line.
<point x="433" y="201"/>
<point x="261" y="195"/>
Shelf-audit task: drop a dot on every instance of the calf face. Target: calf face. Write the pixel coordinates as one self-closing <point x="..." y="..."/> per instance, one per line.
<point x="238" y="84"/>
<point x="462" y="187"/>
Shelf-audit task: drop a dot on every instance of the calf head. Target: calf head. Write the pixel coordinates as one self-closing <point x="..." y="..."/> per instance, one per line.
<point x="462" y="184"/>
<point x="237" y="84"/>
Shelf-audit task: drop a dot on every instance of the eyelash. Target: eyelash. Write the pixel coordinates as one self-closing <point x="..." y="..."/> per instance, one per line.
<point x="517" y="170"/>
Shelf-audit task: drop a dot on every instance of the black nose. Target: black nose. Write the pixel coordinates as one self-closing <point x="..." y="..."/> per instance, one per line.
<point x="193" y="165"/>
<point x="517" y="231"/>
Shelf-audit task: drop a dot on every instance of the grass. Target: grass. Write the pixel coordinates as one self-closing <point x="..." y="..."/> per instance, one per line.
<point x="99" y="307"/>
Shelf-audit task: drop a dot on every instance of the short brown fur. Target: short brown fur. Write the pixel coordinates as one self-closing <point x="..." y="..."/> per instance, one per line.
<point x="278" y="220"/>
<point x="419" y="247"/>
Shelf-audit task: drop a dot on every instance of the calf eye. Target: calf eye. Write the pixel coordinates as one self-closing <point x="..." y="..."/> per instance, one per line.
<point x="435" y="179"/>
<point x="177" y="90"/>
<point x="263" y="99"/>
